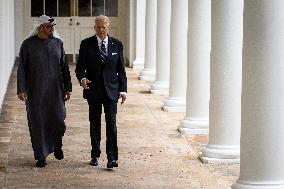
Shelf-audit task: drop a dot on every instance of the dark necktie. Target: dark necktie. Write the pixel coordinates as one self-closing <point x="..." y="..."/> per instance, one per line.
<point x="103" y="53"/>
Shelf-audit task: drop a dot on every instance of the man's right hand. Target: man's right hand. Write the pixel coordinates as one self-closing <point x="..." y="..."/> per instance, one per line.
<point x="23" y="96"/>
<point x="84" y="83"/>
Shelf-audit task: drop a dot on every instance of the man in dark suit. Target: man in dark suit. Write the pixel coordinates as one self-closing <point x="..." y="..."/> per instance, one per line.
<point x="101" y="72"/>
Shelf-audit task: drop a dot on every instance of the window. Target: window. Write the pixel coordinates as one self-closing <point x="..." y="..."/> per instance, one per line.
<point x="37" y="7"/>
<point x="84" y="8"/>
<point x="64" y="8"/>
<point x="67" y="8"/>
<point x="111" y="8"/>
<point x="98" y="7"/>
<point x="51" y="7"/>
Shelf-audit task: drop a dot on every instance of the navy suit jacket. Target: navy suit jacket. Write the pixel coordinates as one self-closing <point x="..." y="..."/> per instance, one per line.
<point x="110" y="75"/>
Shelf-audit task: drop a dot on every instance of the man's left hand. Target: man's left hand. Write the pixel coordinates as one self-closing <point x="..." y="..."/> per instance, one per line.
<point x="67" y="95"/>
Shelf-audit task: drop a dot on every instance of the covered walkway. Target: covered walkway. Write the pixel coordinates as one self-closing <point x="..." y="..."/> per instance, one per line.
<point x="152" y="153"/>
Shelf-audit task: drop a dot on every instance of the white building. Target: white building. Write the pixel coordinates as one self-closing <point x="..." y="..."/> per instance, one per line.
<point x="229" y="54"/>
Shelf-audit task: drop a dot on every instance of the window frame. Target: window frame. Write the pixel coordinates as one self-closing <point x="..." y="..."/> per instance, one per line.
<point x="74" y="9"/>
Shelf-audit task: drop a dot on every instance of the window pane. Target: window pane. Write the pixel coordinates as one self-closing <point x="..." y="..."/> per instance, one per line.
<point x="64" y="8"/>
<point x="51" y="7"/>
<point x="84" y="7"/>
<point x="98" y="7"/>
<point x="111" y="8"/>
<point x="37" y="8"/>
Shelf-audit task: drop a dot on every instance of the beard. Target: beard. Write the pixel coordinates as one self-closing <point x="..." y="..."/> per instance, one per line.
<point x="50" y="34"/>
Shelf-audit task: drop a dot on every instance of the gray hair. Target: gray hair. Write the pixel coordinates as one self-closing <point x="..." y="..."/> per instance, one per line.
<point x="102" y="17"/>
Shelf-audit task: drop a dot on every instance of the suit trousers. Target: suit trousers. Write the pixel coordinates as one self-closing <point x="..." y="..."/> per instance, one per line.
<point x="95" y="112"/>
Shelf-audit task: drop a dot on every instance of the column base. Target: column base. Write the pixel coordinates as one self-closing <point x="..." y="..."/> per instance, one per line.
<point x="174" y="104"/>
<point x="160" y="88"/>
<point x="252" y="185"/>
<point x="147" y="75"/>
<point x="138" y="64"/>
<point x="220" y="154"/>
<point x="194" y="126"/>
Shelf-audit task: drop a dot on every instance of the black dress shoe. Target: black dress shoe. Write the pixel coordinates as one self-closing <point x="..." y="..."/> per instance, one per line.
<point x="112" y="163"/>
<point x="94" y="162"/>
<point x="41" y="163"/>
<point x="58" y="154"/>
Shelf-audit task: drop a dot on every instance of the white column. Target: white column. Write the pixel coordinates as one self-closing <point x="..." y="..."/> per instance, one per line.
<point x="140" y="34"/>
<point x="149" y="71"/>
<point x="225" y="86"/>
<point x="2" y="43"/>
<point x="178" y="58"/>
<point x="196" y="120"/>
<point x="12" y="38"/>
<point x="262" y="141"/>
<point x="7" y="55"/>
<point x="161" y="84"/>
<point x="132" y="33"/>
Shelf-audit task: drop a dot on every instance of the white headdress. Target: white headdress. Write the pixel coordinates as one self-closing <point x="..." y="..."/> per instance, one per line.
<point x="43" y="19"/>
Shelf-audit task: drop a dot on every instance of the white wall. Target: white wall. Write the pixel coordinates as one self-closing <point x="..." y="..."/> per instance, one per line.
<point x="119" y="24"/>
<point x="2" y="73"/>
<point x="19" y="26"/>
<point x="7" y="44"/>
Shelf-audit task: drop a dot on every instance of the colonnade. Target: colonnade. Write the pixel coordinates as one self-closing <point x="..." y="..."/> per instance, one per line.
<point x="228" y="55"/>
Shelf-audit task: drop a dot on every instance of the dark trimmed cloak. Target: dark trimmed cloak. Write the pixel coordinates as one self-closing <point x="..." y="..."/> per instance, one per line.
<point x="43" y="73"/>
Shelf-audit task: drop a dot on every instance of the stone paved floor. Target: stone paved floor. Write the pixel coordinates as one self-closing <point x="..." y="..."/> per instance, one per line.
<point x="152" y="153"/>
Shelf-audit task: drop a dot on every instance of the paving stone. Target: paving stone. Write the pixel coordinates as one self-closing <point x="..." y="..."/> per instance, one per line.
<point x="2" y="177"/>
<point x="152" y="153"/>
<point x="7" y="126"/>
<point x="3" y="164"/>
